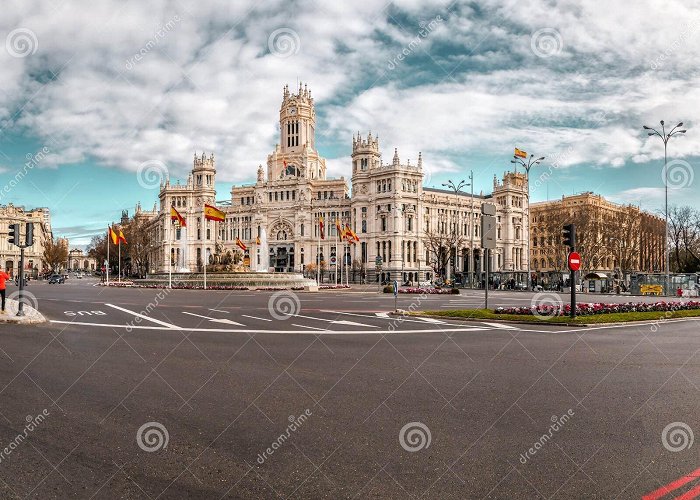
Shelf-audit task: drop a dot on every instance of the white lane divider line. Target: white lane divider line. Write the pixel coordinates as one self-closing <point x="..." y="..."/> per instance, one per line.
<point x="399" y="319"/>
<point x="255" y="317"/>
<point x="335" y="321"/>
<point x="218" y="310"/>
<point x="143" y="316"/>
<point x="310" y="327"/>
<point x="215" y="320"/>
<point x="501" y="326"/>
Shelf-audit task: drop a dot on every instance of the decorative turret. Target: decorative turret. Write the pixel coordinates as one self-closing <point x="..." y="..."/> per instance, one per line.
<point x="204" y="173"/>
<point x="395" y="161"/>
<point x="420" y="160"/>
<point x="365" y="153"/>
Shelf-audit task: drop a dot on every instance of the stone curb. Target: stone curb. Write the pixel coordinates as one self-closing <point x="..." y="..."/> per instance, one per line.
<point x="31" y="315"/>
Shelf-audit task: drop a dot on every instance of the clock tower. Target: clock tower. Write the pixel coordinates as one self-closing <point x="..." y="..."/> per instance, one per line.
<point x="296" y="154"/>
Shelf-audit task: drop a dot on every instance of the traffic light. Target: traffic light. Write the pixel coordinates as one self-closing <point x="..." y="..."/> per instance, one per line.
<point x="570" y="235"/>
<point x="13" y="234"/>
<point x="29" y="234"/>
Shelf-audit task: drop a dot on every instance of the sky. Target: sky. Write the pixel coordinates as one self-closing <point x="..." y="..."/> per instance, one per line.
<point x="100" y="100"/>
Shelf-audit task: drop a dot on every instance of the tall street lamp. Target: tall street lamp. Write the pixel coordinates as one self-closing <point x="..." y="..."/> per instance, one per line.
<point x="458" y="189"/>
<point x="531" y="162"/>
<point x="664" y="136"/>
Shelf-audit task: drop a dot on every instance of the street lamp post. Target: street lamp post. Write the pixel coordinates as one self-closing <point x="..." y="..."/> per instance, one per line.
<point x="531" y="162"/>
<point x="457" y="188"/>
<point x="664" y="136"/>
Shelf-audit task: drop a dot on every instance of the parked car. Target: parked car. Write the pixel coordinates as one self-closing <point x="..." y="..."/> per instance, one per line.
<point x="56" y="278"/>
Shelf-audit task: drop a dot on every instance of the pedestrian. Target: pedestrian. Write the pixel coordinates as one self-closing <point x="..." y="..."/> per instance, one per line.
<point x="3" y="277"/>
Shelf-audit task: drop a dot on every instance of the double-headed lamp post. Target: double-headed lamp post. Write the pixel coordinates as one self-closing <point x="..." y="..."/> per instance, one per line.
<point x="457" y="188"/>
<point x="531" y="162"/>
<point x="665" y="136"/>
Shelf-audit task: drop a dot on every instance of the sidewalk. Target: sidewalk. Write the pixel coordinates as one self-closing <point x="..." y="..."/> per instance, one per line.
<point x="31" y="315"/>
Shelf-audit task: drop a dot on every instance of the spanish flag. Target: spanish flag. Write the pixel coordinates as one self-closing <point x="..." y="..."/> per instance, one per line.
<point x="339" y="228"/>
<point x="350" y="234"/>
<point x="322" y="228"/>
<point x="240" y="244"/>
<point x="213" y="213"/>
<point x="520" y="153"/>
<point x="122" y="237"/>
<point x="257" y="240"/>
<point x="112" y="235"/>
<point x="175" y="216"/>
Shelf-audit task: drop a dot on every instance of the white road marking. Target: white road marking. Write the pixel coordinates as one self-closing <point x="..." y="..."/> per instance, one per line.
<point x="143" y="316"/>
<point x="215" y="320"/>
<point x="255" y="317"/>
<point x="399" y="319"/>
<point x="501" y="326"/>
<point x="229" y="330"/>
<point x="336" y="322"/>
<point x="218" y="310"/>
<point x="310" y="327"/>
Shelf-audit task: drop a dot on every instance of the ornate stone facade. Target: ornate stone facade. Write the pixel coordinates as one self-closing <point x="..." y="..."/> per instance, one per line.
<point x="33" y="256"/>
<point x="389" y="210"/>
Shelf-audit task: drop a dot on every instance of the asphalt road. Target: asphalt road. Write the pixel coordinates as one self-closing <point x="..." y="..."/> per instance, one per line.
<point x="358" y="404"/>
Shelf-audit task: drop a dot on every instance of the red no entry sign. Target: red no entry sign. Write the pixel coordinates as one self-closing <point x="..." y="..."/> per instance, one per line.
<point x="574" y="261"/>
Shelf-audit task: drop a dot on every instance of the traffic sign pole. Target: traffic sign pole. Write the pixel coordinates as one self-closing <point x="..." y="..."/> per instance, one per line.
<point x="574" y="260"/>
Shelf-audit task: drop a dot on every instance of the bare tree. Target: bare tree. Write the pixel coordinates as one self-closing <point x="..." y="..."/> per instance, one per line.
<point x="440" y="247"/>
<point x="684" y="236"/>
<point x="139" y="244"/>
<point x="55" y="254"/>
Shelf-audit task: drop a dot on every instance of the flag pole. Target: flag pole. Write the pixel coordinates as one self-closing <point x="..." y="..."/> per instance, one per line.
<point x="318" y="255"/>
<point x="119" y="265"/>
<point x="170" y="258"/>
<point x="109" y="237"/>
<point x="204" y="246"/>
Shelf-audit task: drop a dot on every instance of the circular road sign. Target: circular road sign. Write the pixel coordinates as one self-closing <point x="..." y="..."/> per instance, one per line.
<point x="333" y="260"/>
<point x="574" y="261"/>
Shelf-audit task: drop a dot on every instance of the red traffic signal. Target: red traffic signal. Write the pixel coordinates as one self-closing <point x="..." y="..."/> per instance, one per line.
<point x="574" y="261"/>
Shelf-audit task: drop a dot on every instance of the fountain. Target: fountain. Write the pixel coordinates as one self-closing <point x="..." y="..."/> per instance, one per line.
<point x="181" y="266"/>
<point x="263" y="257"/>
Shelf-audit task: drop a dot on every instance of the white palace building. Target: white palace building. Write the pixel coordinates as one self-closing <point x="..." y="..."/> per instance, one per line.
<point x="385" y="204"/>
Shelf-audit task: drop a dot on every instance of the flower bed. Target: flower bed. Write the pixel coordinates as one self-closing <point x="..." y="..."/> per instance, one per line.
<point x="587" y="309"/>
<point x="332" y="287"/>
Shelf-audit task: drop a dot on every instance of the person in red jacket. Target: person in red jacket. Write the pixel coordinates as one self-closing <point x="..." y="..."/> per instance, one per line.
<point x="3" y="277"/>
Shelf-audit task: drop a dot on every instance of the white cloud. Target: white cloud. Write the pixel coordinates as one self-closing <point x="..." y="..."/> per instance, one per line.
<point x="472" y="87"/>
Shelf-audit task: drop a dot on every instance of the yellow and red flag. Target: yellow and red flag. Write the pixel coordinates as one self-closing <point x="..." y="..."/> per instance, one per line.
<point x="257" y="240"/>
<point x="339" y="228"/>
<point x="241" y="245"/>
<point x="213" y="213"/>
<point x="175" y="216"/>
<point x="112" y="235"/>
<point x="350" y="234"/>
<point x="322" y="228"/>
<point x="121" y="236"/>
<point x="520" y="153"/>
